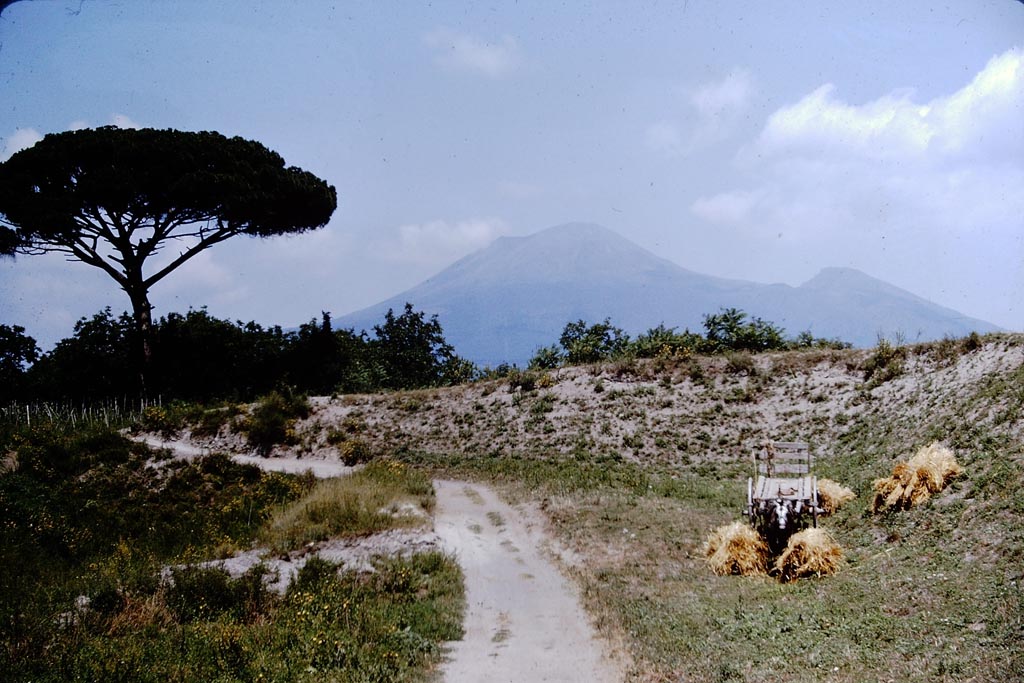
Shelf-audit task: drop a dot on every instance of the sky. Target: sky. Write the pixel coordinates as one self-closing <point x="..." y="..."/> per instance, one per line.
<point x="754" y="140"/>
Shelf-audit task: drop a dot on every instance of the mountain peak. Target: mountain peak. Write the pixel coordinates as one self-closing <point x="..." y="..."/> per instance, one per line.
<point x="834" y="276"/>
<point x="503" y="302"/>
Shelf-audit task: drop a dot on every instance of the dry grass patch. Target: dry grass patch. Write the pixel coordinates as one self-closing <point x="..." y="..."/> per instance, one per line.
<point x="360" y="504"/>
<point x="930" y="470"/>
<point x="736" y="549"/>
<point x="811" y="552"/>
<point x="833" y="495"/>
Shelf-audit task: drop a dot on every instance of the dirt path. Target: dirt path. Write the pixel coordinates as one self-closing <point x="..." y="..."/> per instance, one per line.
<point x="184" y="449"/>
<point x="523" y="620"/>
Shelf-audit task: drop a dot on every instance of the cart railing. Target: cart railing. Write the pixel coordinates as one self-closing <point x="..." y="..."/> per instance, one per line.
<point x="783" y="457"/>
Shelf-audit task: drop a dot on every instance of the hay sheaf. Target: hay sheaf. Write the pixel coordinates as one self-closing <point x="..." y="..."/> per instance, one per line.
<point x="915" y="481"/>
<point x="811" y="552"/>
<point x="833" y="495"/>
<point x="736" y="549"/>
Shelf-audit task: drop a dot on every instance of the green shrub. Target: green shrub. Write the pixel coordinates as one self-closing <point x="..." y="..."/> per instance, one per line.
<point x="313" y="575"/>
<point x="210" y="421"/>
<point x="519" y="380"/>
<point x="546" y="358"/>
<point x="740" y="363"/>
<point x="354" y="452"/>
<point x="205" y="593"/>
<point x="272" y="420"/>
<point x="885" y="363"/>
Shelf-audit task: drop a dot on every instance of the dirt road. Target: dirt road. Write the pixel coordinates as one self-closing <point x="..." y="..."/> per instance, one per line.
<point x="523" y="620"/>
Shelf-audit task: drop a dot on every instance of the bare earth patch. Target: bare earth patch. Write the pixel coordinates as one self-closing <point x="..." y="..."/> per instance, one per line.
<point x="523" y="620"/>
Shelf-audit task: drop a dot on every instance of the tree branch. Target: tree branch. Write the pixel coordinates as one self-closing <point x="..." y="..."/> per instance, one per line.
<point x="205" y="243"/>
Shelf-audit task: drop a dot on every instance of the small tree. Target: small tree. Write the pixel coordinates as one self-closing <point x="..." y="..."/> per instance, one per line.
<point x="114" y="198"/>
<point x="590" y="344"/>
<point x="95" y="362"/>
<point x="410" y="351"/>
<point x="17" y="351"/>
<point x="729" y="330"/>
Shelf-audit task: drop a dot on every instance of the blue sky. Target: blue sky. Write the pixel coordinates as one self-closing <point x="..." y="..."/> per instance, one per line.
<point x="761" y="141"/>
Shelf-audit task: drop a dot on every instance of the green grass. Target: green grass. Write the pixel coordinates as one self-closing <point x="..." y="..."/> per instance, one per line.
<point x="357" y="505"/>
<point x="88" y="513"/>
<point x="935" y="593"/>
<point x="386" y="626"/>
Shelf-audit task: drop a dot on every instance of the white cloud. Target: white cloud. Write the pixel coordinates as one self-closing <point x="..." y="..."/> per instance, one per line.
<point x="923" y="193"/>
<point x="711" y="113"/>
<point x="984" y="116"/>
<point x="122" y="121"/>
<point x="438" y="243"/>
<point x="21" y="138"/>
<point x="728" y="207"/>
<point x="723" y="98"/>
<point x="464" y="52"/>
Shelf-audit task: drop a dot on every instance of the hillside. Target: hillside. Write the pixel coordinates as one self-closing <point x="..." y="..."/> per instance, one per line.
<point x="633" y="463"/>
<point x="502" y="303"/>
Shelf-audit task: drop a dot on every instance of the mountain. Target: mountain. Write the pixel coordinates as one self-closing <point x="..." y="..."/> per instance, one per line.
<point x="503" y="302"/>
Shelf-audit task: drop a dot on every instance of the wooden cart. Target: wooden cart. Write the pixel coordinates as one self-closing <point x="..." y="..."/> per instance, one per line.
<point x="783" y="492"/>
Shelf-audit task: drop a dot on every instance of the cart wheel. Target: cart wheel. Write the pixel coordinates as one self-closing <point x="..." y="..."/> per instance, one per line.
<point x="750" y="500"/>
<point x="814" y="500"/>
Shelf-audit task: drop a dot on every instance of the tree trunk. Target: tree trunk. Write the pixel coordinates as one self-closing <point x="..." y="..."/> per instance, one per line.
<point x="142" y="311"/>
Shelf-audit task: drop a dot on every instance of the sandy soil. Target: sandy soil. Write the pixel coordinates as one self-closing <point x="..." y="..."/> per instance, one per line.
<point x="523" y="620"/>
<point x="186" y="449"/>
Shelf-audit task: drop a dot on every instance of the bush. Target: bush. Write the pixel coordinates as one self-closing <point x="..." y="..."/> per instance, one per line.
<point x="204" y="593"/>
<point x="884" y="364"/>
<point x="313" y="575"/>
<point x="272" y="420"/>
<point x="354" y="452"/>
<point x="546" y="358"/>
<point x="522" y="381"/>
<point x="741" y="363"/>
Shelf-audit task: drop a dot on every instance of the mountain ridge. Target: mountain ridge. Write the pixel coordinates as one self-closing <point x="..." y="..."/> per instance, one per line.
<point x="504" y="301"/>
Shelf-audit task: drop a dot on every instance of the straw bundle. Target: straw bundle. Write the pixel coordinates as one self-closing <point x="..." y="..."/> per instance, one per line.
<point x="811" y="552"/>
<point x="736" y="549"/>
<point x="832" y="495"/>
<point x="913" y="482"/>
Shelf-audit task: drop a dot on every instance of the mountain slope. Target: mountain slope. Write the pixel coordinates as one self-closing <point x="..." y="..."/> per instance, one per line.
<point x="503" y="302"/>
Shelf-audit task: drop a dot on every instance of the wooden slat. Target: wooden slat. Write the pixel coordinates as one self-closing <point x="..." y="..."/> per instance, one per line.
<point x="763" y="455"/>
<point x="770" y="488"/>
<point x="787" y="467"/>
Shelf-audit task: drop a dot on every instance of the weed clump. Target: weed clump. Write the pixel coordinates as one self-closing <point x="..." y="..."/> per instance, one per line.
<point x="272" y="420"/>
<point x="811" y="552"/>
<point x="930" y="470"/>
<point x="886" y="363"/>
<point x="736" y="549"/>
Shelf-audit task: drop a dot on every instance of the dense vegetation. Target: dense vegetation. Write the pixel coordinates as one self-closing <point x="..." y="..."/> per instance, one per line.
<point x="99" y="537"/>
<point x="113" y="198"/>
<point x="726" y="331"/>
<point x="197" y="357"/>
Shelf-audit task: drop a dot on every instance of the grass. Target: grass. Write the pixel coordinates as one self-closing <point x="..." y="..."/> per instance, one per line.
<point x="929" y="594"/>
<point x="356" y="505"/>
<point x="89" y="519"/>
<point x="386" y="626"/>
